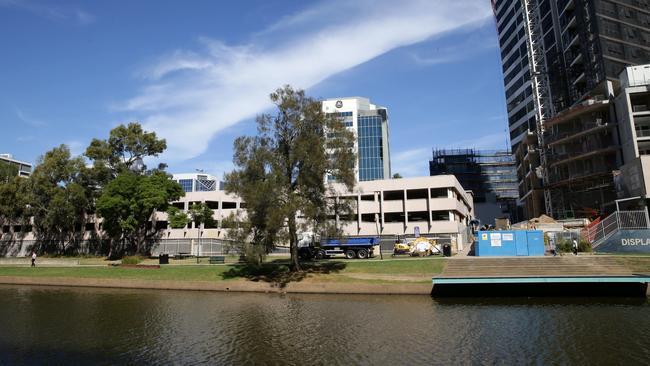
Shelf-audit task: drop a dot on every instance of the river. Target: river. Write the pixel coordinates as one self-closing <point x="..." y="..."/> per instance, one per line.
<point x="40" y="325"/>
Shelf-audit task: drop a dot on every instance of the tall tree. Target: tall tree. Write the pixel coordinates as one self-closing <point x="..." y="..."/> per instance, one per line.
<point x="58" y="200"/>
<point x="127" y="206"/>
<point x="130" y="193"/>
<point x="125" y="149"/>
<point x="14" y="204"/>
<point x="281" y="172"/>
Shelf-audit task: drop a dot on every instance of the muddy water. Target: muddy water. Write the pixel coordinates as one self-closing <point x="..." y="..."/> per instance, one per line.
<point x="95" y="326"/>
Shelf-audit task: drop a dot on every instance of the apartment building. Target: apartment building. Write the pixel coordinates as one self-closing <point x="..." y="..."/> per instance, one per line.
<point x="557" y="55"/>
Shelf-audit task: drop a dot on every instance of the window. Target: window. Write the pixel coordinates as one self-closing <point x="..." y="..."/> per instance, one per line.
<point x="368" y="217"/>
<point x="394" y="217"/>
<point x="228" y="205"/>
<point x="371" y="155"/>
<point x="438" y="192"/>
<point x="413" y="194"/>
<point x="440" y="215"/>
<point x="186" y="184"/>
<point x="212" y="204"/>
<point x="393" y="195"/>
<point x="418" y="216"/>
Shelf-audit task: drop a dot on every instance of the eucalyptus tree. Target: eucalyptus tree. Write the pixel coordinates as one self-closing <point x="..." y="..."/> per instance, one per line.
<point x="58" y="200"/>
<point x="281" y="173"/>
<point x="129" y="193"/>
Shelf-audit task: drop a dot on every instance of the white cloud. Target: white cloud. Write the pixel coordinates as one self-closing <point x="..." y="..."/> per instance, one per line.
<point x="28" y="119"/>
<point x="194" y="95"/>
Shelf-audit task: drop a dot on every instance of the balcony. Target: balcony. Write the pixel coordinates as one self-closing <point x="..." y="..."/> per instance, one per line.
<point x="586" y="129"/>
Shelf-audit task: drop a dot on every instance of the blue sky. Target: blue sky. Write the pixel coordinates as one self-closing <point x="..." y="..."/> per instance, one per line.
<point x="197" y="72"/>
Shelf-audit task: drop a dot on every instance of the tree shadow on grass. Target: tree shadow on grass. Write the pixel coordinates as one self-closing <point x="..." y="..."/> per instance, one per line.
<point x="277" y="272"/>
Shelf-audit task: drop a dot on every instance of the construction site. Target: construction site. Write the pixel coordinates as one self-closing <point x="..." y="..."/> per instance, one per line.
<point x="574" y="55"/>
<point x="489" y="174"/>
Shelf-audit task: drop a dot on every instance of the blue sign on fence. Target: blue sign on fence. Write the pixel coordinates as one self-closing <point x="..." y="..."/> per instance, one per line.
<point x="626" y="241"/>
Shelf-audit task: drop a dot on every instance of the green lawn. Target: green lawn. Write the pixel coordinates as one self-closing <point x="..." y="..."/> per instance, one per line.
<point x="320" y="270"/>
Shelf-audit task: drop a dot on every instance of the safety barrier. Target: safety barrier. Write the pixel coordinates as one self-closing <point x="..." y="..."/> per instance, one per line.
<point x="619" y="220"/>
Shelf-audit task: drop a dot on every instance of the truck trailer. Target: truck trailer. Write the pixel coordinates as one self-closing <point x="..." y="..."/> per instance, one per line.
<point x="362" y="247"/>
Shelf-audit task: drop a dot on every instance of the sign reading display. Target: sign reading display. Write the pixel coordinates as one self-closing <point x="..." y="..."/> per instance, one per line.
<point x="630" y="241"/>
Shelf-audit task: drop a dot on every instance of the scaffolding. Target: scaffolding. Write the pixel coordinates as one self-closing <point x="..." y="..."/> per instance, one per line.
<point x="540" y="89"/>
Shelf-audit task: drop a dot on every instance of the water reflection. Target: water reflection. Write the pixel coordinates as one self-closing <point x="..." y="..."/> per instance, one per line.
<point x="93" y="326"/>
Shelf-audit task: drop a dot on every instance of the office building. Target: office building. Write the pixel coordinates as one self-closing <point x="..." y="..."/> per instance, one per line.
<point x="489" y="174"/>
<point x="369" y="123"/>
<point x="24" y="169"/>
<point x="197" y="182"/>
<point x="563" y="58"/>
<point x="633" y="113"/>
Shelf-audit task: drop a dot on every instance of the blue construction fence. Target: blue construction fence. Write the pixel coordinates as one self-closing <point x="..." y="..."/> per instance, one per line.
<point x="510" y="243"/>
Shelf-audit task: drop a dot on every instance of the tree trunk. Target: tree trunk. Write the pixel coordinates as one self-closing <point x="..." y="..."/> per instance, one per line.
<point x="293" y="245"/>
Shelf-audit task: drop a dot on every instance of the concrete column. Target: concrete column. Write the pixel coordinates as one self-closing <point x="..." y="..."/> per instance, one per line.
<point x="358" y="213"/>
<point x="430" y="222"/>
<point x="381" y="209"/>
<point x="406" y="214"/>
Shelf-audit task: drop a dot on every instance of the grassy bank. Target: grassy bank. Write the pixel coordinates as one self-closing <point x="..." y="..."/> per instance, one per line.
<point x="372" y="271"/>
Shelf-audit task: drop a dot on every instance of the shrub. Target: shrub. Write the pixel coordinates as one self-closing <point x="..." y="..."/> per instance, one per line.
<point x="134" y="259"/>
<point x="564" y="246"/>
<point x="584" y="246"/>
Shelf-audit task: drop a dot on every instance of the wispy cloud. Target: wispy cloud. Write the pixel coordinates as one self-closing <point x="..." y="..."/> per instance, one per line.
<point x="33" y="122"/>
<point x="49" y="11"/>
<point x="470" y="47"/>
<point x="192" y="95"/>
<point x="411" y="163"/>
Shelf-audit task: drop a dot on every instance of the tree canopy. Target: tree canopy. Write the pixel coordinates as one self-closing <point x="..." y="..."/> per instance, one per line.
<point x="281" y="172"/>
<point x="127" y="205"/>
<point x="63" y="195"/>
<point x="125" y="148"/>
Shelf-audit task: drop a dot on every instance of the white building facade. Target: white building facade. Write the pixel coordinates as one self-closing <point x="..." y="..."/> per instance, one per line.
<point x="24" y="168"/>
<point x="369" y="123"/>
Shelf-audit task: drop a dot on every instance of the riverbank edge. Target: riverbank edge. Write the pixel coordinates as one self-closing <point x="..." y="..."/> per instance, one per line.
<point x="229" y="286"/>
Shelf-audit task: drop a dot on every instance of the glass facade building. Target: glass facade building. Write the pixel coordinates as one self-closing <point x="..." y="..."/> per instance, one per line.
<point x="370" y="126"/>
<point x="196" y="182"/>
<point x="371" y="162"/>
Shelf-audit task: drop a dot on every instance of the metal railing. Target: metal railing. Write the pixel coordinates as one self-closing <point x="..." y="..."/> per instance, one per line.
<point x="207" y="247"/>
<point x="189" y="246"/>
<point x="619" y="220"/>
